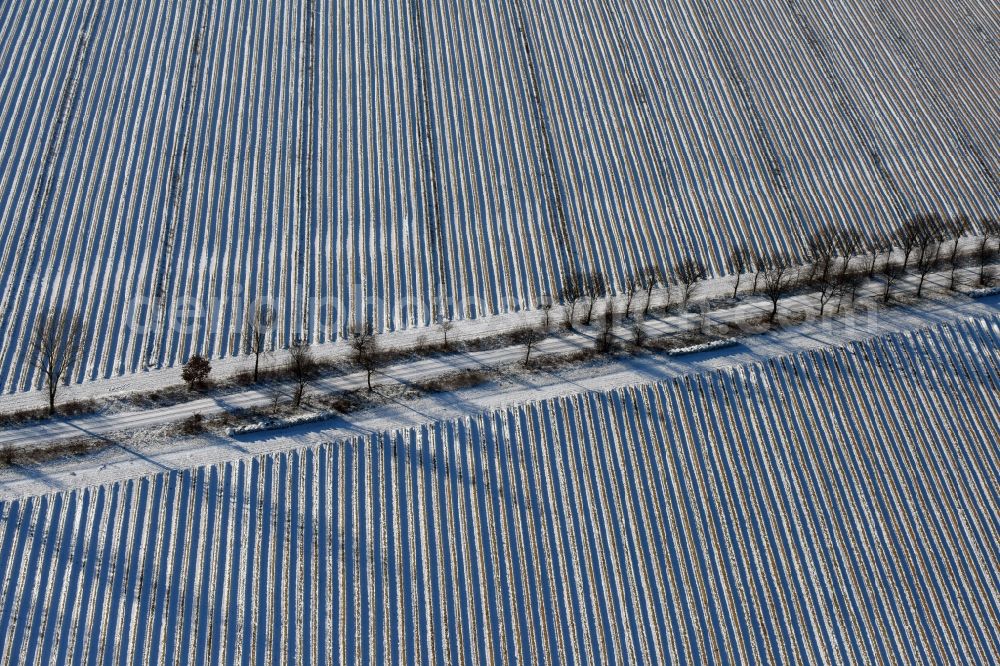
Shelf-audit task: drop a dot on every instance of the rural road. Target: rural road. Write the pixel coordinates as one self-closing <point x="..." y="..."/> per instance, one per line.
<point x="406" y="372"/>
<point x="146" y="452"/>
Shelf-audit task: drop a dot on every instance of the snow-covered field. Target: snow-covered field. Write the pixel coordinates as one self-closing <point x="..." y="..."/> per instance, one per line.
<point x="162" y="162"/>
<point x="834" y="506"/>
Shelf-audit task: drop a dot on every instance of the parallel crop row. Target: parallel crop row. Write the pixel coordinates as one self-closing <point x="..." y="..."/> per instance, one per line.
<point x="173" y="160"/>
<point x="837" y="507"/>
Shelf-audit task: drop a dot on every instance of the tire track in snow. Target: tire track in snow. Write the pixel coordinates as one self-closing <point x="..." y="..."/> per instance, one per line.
<point x="865" y="138"/>
<point x="305" y="152"/>
<point x="543" y="137"/>
<point x="68" y="103"/>
<point x="546" y="162"/>
<point x="38" y="213"/>
<point x="738" y="83"/>
<point x="179" y="172"/>
<point x="429" y="163"/>
<point x="903" y="43"/>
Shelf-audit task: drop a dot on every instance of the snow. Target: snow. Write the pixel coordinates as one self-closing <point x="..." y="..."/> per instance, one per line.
<point x="281" y="423"/>
<point x="827" y="506"/>
<point x="704" y="347"/>
<point x="137" y="445"/>
<point x="983" y="293"/>
<point x="821" y="494"/>
<point x="717" y="290"/>
<point x="164" y="159"/>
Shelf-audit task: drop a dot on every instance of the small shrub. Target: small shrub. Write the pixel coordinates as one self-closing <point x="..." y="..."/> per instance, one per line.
<point x="78" y="407"/>
<point x="639" y="335"/>
<point x="987" y="276"/>
<point x="605" y="338"/>
<point x="553" y="362"/>
<point x="454" y="382"/>
<point x="193" y="424"/>
<point x="22" y="416"/>
<point x="343" y="405"/>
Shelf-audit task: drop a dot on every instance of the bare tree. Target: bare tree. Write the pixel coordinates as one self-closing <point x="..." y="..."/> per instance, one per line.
<point x="919" y="233"/>
<point x="777" y="281"/>
<point x="927" y="261"/>
<point x="689" y="272"/>
<point x="739" y="263"/>
<point x="827" y="287"/>
<point x="848" y="284"/>
<point x="877" y="245"/>
<point x="605" y="338"/>
<point x="985" y="254"/>
<point x="668" y="295"/>
<point x="195" y="372"/>
<point x="930" y="230"/>
<point x="928" y="256"/>
<point x="639" y="335"/>
<point x="56" y="346"/>
<point x="446" y="326"/>
<point x="573" y="288"/>
<point x="274" y="399"/>
<point x="821" y="247"/>
<point x="595" y="287"/>
<point x="906" y="237"/>
<point x="302" y="366"/>
<point x="892" y="273"/>
<point x="849" y="244"/>
<point x="365" y="350"/>
<point x="545" y="304"/>
<point x="759" y="266"/>
<point x="256" y="330"/>
<point x="958" y="227"/>
<point x="529" y="337"/>
<point x="650" y="276"/>
<point x="633" y="284"/>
